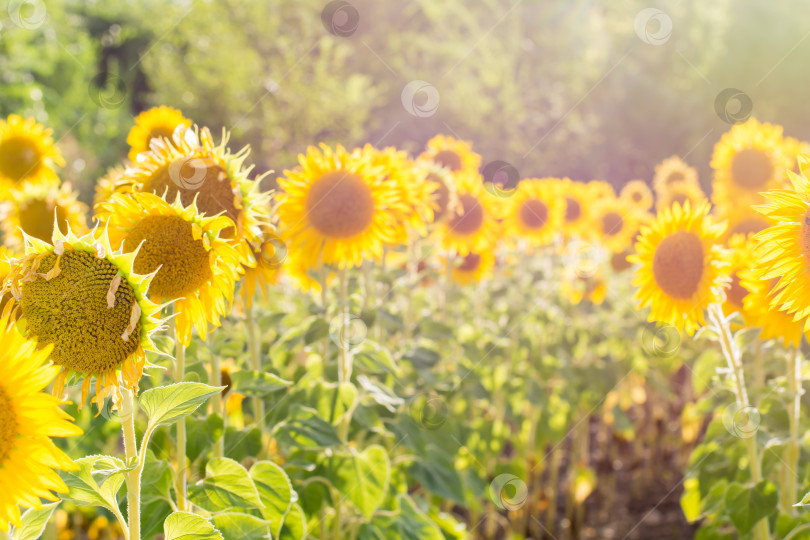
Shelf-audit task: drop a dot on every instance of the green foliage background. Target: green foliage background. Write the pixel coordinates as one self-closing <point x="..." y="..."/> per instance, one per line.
<point x="554" y="87"/>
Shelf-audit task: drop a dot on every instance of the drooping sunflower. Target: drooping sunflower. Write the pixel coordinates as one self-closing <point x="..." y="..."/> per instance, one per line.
<point x="471" y="268"/>
<point x="638" y="194"/>
<point x="337" y="208"/>
<point x="576" y="219"/>
<point x="157" y="122"/>
<point x="85" y="298"/>
<point x="193" y="265"/>
<point x="615" y="223"/>
<point x="673" y="171"/>
<point x="28" y="419"/>
<point x="742" y="260"/>
<point x="681" y="193"/>
<point x="27" y="153"/>
<point x="748" y="159"/>
<point x="269" y="255"/>
<point x="682" y="269"/>
<point x="534" y="212"/>
<point x="452" y="154"/>
<point x="784" y="251"/>
<point x="31" y="209"/>
<point x="473" y="226"/>
<point x="205" y="173"/>
<point x="758" y="312"/>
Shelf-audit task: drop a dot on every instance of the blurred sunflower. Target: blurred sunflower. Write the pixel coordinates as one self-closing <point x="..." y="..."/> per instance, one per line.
<point x="599" y="190"/>
<point x="742" y="259"/>
<point x="758" y="311"/>
<point x="619" y="262"/>
<point x="534" y="212"/>
<point x="444" y="197"/>
<point x="638" y="194"/>
<point x="337" y="208"/>
<point x="155" y="123"/>
<point x="785" y="246"/>
<point x="32" y="209"/>
<point x="27" y="152"/>
<point x="793" y="148"/>
<point x="29" y="418"/>
<point x="673" y="171"/>
<point x="472" y="226"/>
<point x="85" y="298"/>
<point x="742" y="220"/>
<point x="205" y="173"/>
<point x="113" y="181"/>
<point x="269" y="256"/>
<point x="748" y="159"/>
<point x="682" y="267"/>
<point x="590" y="287"/>
<point x="576" y="219"/>
<point x="681" y="193"/>
<point x="615" y="223"/>
<point x="452" y="154"/>
<point x="192" y="264"/>
<point x="471" y="268"/>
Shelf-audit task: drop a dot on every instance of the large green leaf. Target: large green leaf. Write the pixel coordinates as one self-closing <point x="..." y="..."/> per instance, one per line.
<point x="304" y="429"/>
<point x="156" y="484"/>
<point x="295" y="524"/>
<point x="747" y="505"/>
<point x="187" y="526"/>
<point x="257" y="383"/>
<point x="167" y="404"/>
<point x="84" y="490"/>
<point x="414" y="524"/>
<point x="275" y="491"/>
<point x="242" y="526"/>
<point x="361" y="477"/>
<point x="226" y="485"/>
<point x="33" y="522"/>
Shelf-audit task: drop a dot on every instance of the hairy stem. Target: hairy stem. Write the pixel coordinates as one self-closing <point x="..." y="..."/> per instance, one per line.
<point x="127" y="414"/>
<point x="179" y="374"/>
<point x="256" y="364"/>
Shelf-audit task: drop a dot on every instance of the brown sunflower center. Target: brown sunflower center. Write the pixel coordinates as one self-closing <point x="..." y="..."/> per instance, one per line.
<point x="612" y="223"/>
<point x="534" y="214"/>
<point x="636" y="196"/>
<point x="751" y="168"/>
<point x="203" y="178"/>
<point x="471" y="217"/>
<point x="678" y="264"/>
<point x="448" y="159"/>
<point x="749" y="225"/>
<point x="340" y="204"/>
<point x="736" y="292"/>
<point x="71" y="310"/>
<point x="675" y="177"/>
<point x="36" y="218"/>
<point x="679" y="197"/>
<point x="470" y="262"/>
<point x="619" y="262"/>
<point x="441" y="195"/>
<point x="9" y="426"/>
<point x="168" y="243"/>
<point x="19" y="158"/>
<point x="572" y="209"/>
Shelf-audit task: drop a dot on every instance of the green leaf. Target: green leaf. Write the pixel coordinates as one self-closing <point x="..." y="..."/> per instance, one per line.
<point x="187" y="526"/>
<point x="156" y="485"/>
<point x="275" y="492"/>
<point x="304" y="429"/>
<point x="201" y="434"/>
<point x="242" y="526"/>
<point x="226" y="485"/>
<point x="414" y="524"/>
<point x="257" y="383"/>
<point x="83" y="489"/>
<point x="361" y="477"/>
<point x="319" y="329"/>
<point x="108" y="466"/>
<point x="33" y="522"/>
<point x="746" y="506"/>
<point x="167" y="404"/>
<point x="332" y="400"/>
<point x="295" y="524"/>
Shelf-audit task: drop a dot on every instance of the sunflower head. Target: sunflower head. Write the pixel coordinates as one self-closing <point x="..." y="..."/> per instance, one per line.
<point x="442" y="186"/>
<point x="742" y="259"/>
<point x="27" y="152"/>
<point x="270" y="255"/>
<point x="615" y="223"/>
<point x="578" y="203"/>
<point x="673" y="171"/>
<point x="534" y="212"/>
<point x="155" y="123"/>
<point x="471" y="268"/>
<point x="682" y="268"/>
<point x="85" y="299"/>
<point x="638" y="194"/>
<point x="742" y="221"/>
<point x="34" y="209"/>
<point x="681" y="193"/>
<point x="758" y="312"/>
<point x="585" y="287"/>
<point x="473" y="225"/>
<point x="452" y="154"/>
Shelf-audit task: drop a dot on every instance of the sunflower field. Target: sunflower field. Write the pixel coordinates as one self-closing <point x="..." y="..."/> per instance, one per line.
<point x="367" y="270"/>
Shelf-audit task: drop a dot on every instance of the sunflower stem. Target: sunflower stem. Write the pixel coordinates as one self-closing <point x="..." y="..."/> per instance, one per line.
<point x="345" y="366"/>
<point x="256" y="364"/>
<point x="215" y="379"/>
<point x="127" y="414"/>
<point x="734" y="359"/>
<point x="179" y="374"/>
<point x="794" y="378"/>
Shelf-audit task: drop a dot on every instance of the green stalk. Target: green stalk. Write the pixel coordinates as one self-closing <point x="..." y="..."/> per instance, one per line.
<point x="794" y="378"/>
<point x="345" y="366"/>
<point x="215" y="379"/>
<point x="734" y="359"/>
<point x="256" y="364"/>
<point x="127" y="414"/>
<point x="179" y="374"/>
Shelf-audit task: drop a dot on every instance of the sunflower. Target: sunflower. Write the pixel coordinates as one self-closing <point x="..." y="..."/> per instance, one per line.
<point x="205" y="173"/>
<point x="742" y="259"/>
<point x="590" y="287"/>
<point x="749" y="158"/>
<point x="471" y="268"/>
<point x="269" y="256"/>
<point x="85" y="299"/>
<point x="32" y="209"/>
<point x="114" y="181"/>
<point x="793" y="148"/>
<point x="28" y="420"/>
<point x="192" y="264"/>
<point x="673" y="171"/>
<point x="615" y="223"/>
<point x="155" y="123"/>
<point x="534" y="212"/>
<point x="443" y="189"/>
<point x="472" y="226"/>
<point x="742" y="220"/>
<point x="681" y="193"/>
<point x="27" y="152"/>
<point x="599" y="190"/>
<point x="785" y="246"/>
<point x="758" y="312"/>
<point x="452" y="154"/>
<point x="638" y="194"/>
<point x="682" y="269"/>
<point x="577" y="216"/>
